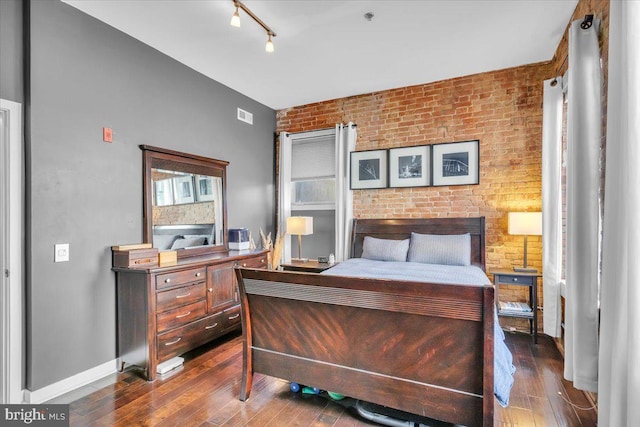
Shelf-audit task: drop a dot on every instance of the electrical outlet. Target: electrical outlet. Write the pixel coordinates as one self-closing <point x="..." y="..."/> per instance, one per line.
<point x="61" y="253"/>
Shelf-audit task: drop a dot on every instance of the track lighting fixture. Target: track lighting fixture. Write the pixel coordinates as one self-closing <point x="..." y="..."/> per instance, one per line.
<point x="235" y="22"/>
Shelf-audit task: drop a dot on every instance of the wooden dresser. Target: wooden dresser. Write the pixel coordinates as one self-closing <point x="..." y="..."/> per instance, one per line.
<point x="166" y="311"/>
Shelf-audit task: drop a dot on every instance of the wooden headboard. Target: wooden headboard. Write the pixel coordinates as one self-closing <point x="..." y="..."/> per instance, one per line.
<point x="399" y="229"/>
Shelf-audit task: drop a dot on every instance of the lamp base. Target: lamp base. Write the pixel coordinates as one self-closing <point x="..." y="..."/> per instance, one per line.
<point x="525" y="270"/>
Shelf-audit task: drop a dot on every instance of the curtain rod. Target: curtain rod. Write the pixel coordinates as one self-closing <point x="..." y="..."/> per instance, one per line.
<point x="316" y="130"/>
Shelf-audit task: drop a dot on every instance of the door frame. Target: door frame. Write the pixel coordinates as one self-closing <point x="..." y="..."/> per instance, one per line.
<point x="12" y="201"/>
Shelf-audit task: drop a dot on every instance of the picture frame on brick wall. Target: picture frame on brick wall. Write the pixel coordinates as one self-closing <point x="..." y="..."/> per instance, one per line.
<point x="368" y="169"/>
<point x="410" y="166"/>
<point x="456" y="163"/>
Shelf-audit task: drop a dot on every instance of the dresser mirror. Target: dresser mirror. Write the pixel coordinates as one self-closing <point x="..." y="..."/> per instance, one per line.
<point x="184" y="202"/>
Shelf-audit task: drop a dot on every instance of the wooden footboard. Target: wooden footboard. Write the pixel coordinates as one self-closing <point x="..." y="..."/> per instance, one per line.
<point x="422" y="348"/>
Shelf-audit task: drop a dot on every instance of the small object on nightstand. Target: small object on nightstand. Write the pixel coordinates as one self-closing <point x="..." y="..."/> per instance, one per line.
<point x="311" y="266"/>
<point x="519" y="309"/>
<point x="332" y="259"/>
<point x="323" y="259"/>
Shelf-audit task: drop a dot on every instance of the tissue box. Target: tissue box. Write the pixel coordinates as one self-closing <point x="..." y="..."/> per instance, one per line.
<point x="238" y="239"/>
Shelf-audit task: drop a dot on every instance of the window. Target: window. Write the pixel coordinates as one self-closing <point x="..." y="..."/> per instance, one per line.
<point x="313" y="171"/>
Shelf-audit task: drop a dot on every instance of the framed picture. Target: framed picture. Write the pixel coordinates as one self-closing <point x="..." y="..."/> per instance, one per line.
<point x="204" y="188"/>
<point x="368" y="169"/>
<point x="410" y="166"/>
<point x="183" y="189"/>
<point x="456" y="163"/>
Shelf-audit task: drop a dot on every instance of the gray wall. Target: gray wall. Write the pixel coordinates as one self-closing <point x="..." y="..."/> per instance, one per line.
<point x="11" y="81"/>
<point x="85" y="76"/>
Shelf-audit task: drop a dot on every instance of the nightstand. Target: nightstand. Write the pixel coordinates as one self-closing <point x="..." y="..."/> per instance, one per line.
<point x="311" y="266"/>
<point x="515" y="278"/>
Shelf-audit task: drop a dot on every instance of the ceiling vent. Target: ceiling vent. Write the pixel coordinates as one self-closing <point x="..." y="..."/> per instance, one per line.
<point x="245" y="116"/>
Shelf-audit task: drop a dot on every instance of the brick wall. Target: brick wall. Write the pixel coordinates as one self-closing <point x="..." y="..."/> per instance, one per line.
<point x="503" y="109"/>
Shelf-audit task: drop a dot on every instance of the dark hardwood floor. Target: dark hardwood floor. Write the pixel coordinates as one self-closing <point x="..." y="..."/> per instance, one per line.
<point x="204" y="392"/>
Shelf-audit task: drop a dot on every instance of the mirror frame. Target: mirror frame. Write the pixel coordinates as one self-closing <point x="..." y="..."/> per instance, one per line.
<point x="186" y="163"/>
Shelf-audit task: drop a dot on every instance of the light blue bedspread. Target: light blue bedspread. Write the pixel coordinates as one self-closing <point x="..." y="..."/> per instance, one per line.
<point x="447" y="274"/>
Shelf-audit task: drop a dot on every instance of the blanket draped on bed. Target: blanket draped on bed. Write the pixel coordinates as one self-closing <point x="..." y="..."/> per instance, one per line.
<point x="446" y="274"/>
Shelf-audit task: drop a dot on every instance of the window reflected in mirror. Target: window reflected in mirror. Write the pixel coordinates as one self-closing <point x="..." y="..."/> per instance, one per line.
<point x="184" y="202"/>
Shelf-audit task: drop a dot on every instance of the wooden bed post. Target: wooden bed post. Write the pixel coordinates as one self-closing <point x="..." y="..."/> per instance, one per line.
<point x="247" y="365"/>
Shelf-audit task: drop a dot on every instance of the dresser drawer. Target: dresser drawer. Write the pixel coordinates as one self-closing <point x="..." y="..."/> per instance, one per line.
<point x="171" y="280"/>
<point x="505" y="279"/>
<point x="187" y="337"/>
<point x="173" y="298"/>
<point x="181" y="316"/>
<point x="258" y="262"/>
<point x="175" y="342"/>
<point x="215" y="325"/>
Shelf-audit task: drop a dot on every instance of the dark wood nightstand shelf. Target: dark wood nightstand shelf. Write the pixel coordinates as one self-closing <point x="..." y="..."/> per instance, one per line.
<point x="310" y="266"/>
<point x="510" y="277"/>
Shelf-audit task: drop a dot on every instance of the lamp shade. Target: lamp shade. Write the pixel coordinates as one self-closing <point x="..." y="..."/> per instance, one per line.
<point x="525" y="223"/>
<point x="300" y="225"/>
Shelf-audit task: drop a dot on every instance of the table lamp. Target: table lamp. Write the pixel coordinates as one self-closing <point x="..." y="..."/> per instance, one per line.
<point x="300" y="226"/>
<point x="525" y="224"/>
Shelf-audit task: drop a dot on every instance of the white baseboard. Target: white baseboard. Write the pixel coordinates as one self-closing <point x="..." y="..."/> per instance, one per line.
<point x="69" y="384"/>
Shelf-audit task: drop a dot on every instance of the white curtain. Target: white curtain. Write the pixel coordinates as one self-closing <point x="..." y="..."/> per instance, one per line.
<point x="619" y="376"/>
<point x="346" y="136"/>
<point x="284" y="193"/>
<point x="584" y="128"/>
<point x="552" y="204"/>
<point x="219" y="216"/>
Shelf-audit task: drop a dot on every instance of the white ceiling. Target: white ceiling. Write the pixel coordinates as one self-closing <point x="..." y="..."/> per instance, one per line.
<point x="326" y="49"/>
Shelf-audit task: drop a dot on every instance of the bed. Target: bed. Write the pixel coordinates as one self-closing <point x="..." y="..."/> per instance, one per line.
<point x="426" y="348"/>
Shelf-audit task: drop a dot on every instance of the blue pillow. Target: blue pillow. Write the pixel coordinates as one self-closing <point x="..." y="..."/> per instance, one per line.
<point x="452" y="249"/>
<point x="385" y="249"/>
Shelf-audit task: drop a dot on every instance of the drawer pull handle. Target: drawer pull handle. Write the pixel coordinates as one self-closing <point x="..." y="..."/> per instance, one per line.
<point x="198" y="274"/>
<point x="235" y="316"/>
<point x="183" y="296"/>
<point x="211" y="326"/>
<point x="180" y="316"/>
<point x="515" y="279"/>
<point x="244" y="264"/>
<point x="173" y="342"/>
<point x="210" y="289"/>
<point x="167" y="280"/>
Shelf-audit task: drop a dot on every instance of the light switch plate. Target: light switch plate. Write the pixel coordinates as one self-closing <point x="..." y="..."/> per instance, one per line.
<point x="61" y="252"/>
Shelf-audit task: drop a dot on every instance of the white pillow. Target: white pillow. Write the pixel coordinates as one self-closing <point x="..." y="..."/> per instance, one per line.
<point x="385" y="249"/>
<point x="440" y="249"/>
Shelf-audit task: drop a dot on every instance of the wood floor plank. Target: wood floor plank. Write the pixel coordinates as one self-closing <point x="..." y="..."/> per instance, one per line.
<point x="205" y="391"/>
<point x="542" y="411"/>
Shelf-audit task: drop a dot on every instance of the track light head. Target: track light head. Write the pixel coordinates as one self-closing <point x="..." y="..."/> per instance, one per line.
<point x="269" y="46"/>
<point x="235" y="19"/>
